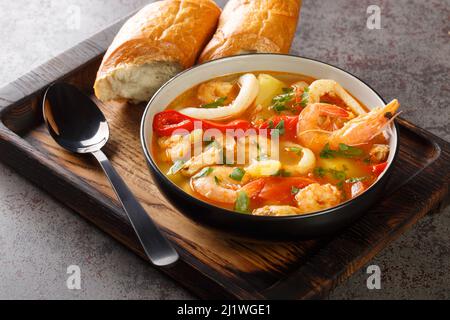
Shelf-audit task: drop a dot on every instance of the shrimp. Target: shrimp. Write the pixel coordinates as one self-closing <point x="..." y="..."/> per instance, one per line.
<point x="312" y="133"/>
<point x="178" y="147"/>
<point x="214" y="154"/>
<point x="227" y="150"/>
<point x="215" y="183"/>
<point x="314" y="125"/>
<point x="316" y="197"/>
<point x="276" y="211"/>
<point x="213" y="90"/>
<point x="322" y="87"/>
<point x="379" y="153"/>
<point x="310" y="198"/>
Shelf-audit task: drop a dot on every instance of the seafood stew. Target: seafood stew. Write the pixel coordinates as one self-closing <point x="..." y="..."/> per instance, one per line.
<point x="272" y="144"/>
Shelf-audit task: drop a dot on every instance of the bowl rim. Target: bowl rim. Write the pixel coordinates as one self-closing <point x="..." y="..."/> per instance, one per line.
<point x="205" y="205"/>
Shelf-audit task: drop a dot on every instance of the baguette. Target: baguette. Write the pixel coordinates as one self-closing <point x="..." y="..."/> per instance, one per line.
<point x="162" y="39"/>
<point x="251" y="26"/>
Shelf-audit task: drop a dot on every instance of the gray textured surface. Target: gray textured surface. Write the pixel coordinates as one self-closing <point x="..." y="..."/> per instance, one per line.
<point x="408" y="59"/>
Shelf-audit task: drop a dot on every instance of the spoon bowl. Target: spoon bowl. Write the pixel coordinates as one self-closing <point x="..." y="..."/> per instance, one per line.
<point x="74" y="120"/>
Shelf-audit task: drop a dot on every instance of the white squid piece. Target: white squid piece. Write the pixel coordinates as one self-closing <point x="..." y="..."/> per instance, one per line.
<point x="324" y="86"/>
<point x="307" y="162"/>
<point x="247" y="95"/>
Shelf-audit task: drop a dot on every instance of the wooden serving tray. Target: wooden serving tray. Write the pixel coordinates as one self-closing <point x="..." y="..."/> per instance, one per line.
<point x="213" y="265"/>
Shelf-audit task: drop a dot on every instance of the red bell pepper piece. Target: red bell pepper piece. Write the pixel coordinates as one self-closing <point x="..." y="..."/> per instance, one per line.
<point x="165" y="123"/>
<point x="379" y="168"/>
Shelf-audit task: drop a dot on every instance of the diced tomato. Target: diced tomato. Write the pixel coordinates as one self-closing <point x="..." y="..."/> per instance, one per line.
<point x="253" y="188"/>
<point x="379" y="168"/>
<point x="289" y="124"/>
<point x="277" y="189"/>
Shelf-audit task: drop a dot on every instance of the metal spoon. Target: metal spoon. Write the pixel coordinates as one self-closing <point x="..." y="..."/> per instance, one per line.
<point x="78" y="125"/>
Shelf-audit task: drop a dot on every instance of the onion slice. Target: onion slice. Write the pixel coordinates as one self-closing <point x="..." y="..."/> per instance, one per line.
<point x="247" y="95"/>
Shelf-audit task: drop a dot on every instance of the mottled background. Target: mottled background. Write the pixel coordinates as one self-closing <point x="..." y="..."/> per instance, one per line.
<point x="407" y="59"/>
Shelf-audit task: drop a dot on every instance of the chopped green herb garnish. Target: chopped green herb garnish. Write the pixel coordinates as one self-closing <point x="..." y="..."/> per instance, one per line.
<point x="270" y="125"/>
<point x="237" y="174"/>
<point x="282" y="173"/>
<point x="335" y="174"/>
<point x="242" y="204"/>
<point x="338" y="174"/>
<point x="177" y="166"/>
<point x="327" y="153"/>
<point x="353" y="180"/>
<point x="296" y="150"/>
<point x="285" y="173"/>
<point x="204" y="173"/>
<point x="305" y="97"/>
<point x="295" y="190"/>
<point x="278" y="107"/>
<point x="280" y="127"/>
<point x="349" y="151"/>
<point x="216" y="180"/>
<point x="279" y="102"/>
<point x="219" y="102"/>
<point x="344" y="151"/>
<point x="319" y="172"/>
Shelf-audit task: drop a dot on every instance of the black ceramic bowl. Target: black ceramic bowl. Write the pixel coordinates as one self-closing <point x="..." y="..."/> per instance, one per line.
<point x="289" y="227"/>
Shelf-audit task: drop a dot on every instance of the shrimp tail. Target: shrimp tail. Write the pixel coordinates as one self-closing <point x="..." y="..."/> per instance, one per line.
<point x="391" y="107"/>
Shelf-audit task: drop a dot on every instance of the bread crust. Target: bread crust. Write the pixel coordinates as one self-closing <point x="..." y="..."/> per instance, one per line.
<point x="164" y="31"/>
<point x="266" y="26"/>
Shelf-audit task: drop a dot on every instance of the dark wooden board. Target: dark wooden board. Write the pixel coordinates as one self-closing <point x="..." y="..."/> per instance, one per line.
<point x="213" y="265"/>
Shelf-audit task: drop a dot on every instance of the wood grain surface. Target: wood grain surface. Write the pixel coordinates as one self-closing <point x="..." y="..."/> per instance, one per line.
<point x="213" y="264"/>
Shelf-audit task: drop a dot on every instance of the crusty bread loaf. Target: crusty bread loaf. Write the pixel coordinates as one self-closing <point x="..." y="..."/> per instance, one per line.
<point x="159" y="41"/>
<point x="248" y="26"/>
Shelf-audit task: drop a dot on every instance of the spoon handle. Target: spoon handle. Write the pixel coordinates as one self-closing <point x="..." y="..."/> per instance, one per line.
<point x="156" y="246"/>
